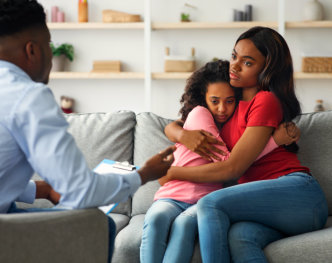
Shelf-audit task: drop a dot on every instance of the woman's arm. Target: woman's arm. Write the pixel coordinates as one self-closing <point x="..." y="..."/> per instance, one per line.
<point x="244" y="153"/>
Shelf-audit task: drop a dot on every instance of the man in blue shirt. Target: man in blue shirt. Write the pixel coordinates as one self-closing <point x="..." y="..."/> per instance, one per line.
<point x="33" y="130"/>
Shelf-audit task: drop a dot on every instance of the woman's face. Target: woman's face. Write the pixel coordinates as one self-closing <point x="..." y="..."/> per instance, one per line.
<point x="220" y="99"/>
<point x="246" y="64"/>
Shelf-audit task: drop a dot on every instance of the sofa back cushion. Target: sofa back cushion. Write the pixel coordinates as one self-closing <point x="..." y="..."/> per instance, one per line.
<point x="105" y="136"/>
<point x="316" y="148"/>
<point x="149" y="140"/>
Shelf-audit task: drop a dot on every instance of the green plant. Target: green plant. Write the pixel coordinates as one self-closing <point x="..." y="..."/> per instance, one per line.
<point x="63" y="49"/>
<point x="185" y="17"/>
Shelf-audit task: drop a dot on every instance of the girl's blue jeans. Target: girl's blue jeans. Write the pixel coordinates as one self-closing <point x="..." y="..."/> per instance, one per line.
<point x="111" y="224"/>
<point x="236" y="223"/>
<point x="169" y="232"/>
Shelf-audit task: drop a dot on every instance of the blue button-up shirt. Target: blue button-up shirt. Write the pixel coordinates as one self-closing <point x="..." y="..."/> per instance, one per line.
<point x="34" y="138"/>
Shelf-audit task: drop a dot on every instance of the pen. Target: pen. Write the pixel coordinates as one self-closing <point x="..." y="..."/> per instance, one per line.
<point x="115" y="205"/>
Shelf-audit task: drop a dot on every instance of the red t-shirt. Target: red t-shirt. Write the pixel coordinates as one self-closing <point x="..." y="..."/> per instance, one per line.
<point x="263" y="110"/>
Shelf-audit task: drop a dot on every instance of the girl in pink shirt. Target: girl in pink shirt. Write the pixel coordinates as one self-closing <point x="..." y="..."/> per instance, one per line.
<point x="208" y="102"/>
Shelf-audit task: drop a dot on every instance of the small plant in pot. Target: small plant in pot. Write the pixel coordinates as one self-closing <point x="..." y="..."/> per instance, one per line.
<point x="61" y="54"/>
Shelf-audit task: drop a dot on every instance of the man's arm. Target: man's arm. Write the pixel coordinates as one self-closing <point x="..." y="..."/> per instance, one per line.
<point x="41" y="131"/>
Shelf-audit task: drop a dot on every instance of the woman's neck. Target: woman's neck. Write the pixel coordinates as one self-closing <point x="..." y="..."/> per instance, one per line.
<point x="249" y="93"/>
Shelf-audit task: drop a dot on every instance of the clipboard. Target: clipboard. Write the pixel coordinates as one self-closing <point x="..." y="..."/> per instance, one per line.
<point x="109" y="166"/>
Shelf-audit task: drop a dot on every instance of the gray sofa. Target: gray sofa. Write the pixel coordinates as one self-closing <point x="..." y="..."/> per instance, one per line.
<point x="81" y="236"/>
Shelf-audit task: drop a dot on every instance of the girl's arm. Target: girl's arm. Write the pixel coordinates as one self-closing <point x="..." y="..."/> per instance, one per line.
<point x="244" y="153"/>
<point x="198" y="141"/>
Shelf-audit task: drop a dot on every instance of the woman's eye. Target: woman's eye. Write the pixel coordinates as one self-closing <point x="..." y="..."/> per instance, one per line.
<point x="247" y="63"/>
<point x="214" y="101"/>
<point x="233" y="56"/>
<point x="230" y="101"/>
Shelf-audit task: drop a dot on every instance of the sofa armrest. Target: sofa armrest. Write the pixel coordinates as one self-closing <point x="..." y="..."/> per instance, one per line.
<point x="62" y="236"/>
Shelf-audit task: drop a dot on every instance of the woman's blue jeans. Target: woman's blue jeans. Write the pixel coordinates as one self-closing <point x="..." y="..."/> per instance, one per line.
<point x="169" y="232"/>
<point x="236" y="223"/>
<point x="111" y="224"/>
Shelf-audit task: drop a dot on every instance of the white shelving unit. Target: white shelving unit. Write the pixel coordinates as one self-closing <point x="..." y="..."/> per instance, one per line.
<point x="149" y="27"/>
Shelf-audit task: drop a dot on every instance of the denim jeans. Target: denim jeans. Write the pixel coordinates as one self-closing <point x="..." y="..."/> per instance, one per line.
<point x="238" y="222"/>
<point x="111" y="224"/>
<point x="169" y="232"/>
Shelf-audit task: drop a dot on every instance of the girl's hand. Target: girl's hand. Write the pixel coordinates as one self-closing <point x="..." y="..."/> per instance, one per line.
<point x="286" y="134"/>
<point x="202" y="143"/>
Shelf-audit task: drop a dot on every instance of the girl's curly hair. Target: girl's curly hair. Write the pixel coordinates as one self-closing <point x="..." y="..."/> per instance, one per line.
<point x="197" y="83"/>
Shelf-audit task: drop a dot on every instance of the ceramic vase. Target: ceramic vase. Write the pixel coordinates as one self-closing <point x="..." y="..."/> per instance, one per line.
<point x="59" y="63"/>
<point x="313" y="11"/>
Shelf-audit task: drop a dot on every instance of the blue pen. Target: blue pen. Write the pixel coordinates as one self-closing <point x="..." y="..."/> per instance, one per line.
<point x="115" y="205"/>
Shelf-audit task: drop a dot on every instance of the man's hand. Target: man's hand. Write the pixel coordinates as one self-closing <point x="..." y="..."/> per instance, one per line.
<point x="286" y="134"/>
<point x="44" y="190"/>
<point x="157" y="165"/>
<point x="202" y="143"/>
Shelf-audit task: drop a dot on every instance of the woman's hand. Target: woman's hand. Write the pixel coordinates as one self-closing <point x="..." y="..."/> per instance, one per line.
<point x="286" y="134"/>
<point x="202" y="143"/>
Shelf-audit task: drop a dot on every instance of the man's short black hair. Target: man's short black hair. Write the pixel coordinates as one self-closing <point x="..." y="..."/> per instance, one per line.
<point x="18" y="15"/>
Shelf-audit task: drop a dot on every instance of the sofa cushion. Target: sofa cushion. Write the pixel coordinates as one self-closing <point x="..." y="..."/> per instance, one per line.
<point x="120" y="221"/>
<point x="149" y="139"/>
<point x="128" y="241"/>
<point x="310" y="248"/>
<point x="105" y="136"/>
<point x="316" y="148"/>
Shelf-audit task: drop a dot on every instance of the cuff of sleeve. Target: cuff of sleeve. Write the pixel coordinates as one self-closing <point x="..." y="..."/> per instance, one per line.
<point x="134" y="180"/>
<point x="29" y="194"/>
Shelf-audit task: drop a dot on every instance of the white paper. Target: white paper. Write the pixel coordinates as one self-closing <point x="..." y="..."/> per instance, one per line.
<point x="106" y="167"/>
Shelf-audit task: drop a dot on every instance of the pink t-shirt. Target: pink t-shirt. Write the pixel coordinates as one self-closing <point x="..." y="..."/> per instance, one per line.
<point x="199" y="118"/>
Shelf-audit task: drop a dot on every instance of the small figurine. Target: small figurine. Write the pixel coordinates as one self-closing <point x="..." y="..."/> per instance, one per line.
<point x="67" y="104"/>
<point x="319" y="106"/>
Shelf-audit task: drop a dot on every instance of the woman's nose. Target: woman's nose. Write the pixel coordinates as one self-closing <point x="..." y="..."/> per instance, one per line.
<point x="235" y="66"/>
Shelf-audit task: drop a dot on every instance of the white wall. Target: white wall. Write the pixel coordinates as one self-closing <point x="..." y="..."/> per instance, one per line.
<point x="128" y="46"/>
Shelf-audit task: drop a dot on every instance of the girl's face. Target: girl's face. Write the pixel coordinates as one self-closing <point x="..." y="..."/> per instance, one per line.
<point x="220" y="99"/>
<point x="246" y="64"/>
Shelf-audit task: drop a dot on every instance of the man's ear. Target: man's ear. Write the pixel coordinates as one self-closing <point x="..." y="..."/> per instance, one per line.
<point x="31" y="50"/>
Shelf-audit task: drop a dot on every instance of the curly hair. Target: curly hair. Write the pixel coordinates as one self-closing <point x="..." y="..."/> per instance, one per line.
<point x="197" y="83"/>
<point x="18" y="15"/>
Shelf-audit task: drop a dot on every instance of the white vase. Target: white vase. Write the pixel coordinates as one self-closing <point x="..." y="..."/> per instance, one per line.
<point x="59" y="63"/>
<point x="313" y="11"/>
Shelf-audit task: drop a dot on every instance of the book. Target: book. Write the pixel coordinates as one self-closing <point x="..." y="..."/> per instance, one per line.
<point x="109" y="166"/>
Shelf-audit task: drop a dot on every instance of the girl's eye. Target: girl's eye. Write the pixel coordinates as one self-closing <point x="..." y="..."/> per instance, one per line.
<point x="214" y="101"/>
<point x="233" y="56"/>
<point x="230" y="101"/>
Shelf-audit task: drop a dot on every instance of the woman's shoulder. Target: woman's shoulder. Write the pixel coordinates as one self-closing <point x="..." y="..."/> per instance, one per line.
<point x="266" y="98"/>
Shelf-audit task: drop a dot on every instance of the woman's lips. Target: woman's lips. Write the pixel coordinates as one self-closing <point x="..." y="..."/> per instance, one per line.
<point x="233" y="76"/>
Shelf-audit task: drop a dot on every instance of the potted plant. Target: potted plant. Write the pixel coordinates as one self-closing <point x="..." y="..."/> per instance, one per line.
<point x="61" y="53"/>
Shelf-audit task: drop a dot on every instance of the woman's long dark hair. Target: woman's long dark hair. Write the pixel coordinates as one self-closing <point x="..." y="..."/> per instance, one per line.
<point x="197" y="83"/>
<point x="277" y="74"/>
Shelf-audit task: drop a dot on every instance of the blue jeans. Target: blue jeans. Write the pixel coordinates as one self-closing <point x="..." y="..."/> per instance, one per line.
<point x="111" y="224"/>
<point x="238" y="222"/>
<point x="169" y="232"/>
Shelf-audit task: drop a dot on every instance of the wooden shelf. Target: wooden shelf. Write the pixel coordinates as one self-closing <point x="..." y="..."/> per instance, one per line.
<point x="185" y="75"/>
<point x="171" y="75"/>
<point x="211" y="25"/>
<point x="309" y="24"/>
<point x="303" y="75"/>
<point x="96" y="75"/>
<point x="96" y="25"/>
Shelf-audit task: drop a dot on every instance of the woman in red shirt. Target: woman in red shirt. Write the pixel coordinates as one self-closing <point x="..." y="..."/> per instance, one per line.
<point x="276" y="196"/>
